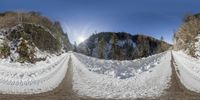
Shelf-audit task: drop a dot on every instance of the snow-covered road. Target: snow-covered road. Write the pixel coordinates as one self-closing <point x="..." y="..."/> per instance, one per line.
<point x="97" y="78"/>
<point x="188" y="70"/>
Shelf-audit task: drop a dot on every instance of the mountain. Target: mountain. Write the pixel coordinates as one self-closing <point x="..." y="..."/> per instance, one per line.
<point x="29" y="37"/>
<point x="121" y="46"/>
<point x="187" y="38"/>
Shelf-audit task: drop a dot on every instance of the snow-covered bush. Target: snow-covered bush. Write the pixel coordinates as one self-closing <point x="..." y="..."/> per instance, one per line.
<point x="26" y="52"/>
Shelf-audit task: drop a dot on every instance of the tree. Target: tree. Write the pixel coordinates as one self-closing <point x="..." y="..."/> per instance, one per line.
<point x="162" y="38"/>
<point x="75" y="47"/>
<point x="145" y="50"/>
<point x="114" y="46"/>
<point x="101" y="47"/>
<point x="19" y="16"/>
<point x="129" y="47"/>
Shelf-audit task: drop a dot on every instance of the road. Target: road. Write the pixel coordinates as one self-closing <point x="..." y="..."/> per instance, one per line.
<point x="177" y="91"/>
<point x="64" y="91"/>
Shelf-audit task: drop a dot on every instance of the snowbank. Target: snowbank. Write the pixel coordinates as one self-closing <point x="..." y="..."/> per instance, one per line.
<point x="119" y="69"/>
<point x="100" y="78"/>
<point x="188" y="70"/>
<point x="44" y="76"/>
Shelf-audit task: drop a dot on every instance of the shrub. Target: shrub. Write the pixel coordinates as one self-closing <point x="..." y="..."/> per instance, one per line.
<point x="26" y="53"/>
<point x="4" y="50"/>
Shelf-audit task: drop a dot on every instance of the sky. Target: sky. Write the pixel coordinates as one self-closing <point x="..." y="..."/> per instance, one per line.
<point x="81" y="18"/>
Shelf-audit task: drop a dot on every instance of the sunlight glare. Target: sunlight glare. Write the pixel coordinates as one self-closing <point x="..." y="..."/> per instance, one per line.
<point x="81" y="39"/>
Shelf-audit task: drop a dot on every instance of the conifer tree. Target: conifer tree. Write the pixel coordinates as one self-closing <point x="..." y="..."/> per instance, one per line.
<point x="161" y="38"/>
<point x="75" y="47"/>
<point x="101" y="47"/>
<point x="114" y="46"/>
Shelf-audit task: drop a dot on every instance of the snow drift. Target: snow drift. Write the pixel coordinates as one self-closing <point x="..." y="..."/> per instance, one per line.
<point x="16" y="78"/>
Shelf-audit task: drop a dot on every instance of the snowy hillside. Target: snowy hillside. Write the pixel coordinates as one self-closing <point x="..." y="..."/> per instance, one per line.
<point x="188" y="70"/>
<point x="24" y="78"/>
<point x="147" y="77"/>
<point x="31" y="39"/>
<point x="187" y="38"/>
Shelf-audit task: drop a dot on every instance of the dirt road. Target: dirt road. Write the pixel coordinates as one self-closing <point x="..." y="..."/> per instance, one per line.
<point x="176" y="90"/>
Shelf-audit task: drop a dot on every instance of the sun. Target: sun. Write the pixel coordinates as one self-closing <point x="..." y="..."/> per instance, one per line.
<point x="81" y="39"/>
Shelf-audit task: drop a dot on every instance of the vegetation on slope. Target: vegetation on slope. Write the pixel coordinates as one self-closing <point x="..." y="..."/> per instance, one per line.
<point x="121" y="46"/>
<point x="26" y="32"/>
<point x="186" y="37"/>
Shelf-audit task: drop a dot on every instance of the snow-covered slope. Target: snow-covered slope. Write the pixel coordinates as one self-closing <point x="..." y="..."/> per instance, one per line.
<point x="188" y="70"/>
<point x="147" y="77"/>
<point x="17" y="78"/>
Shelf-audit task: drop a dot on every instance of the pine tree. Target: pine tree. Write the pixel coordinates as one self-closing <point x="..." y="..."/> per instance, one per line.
<point x="75" y="47"/>
<point x="129" y="47"/>
<point x="114" y="46"/>
<point x="161" y="46"/>
<point x="162" y="38"/>
<point x="101" y="47"/>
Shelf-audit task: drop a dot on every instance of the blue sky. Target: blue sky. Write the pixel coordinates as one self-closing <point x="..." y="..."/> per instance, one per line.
<point x="81" y="18"/>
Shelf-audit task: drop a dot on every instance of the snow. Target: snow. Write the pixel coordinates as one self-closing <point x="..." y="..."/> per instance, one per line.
<point x="98" y="78"/>
<point x="14" y="44"/>
<point x="2" y="36"/>
<point x="113" y="67"/>
<point x="121" y="43"/>
<point x="17" y="78"/>
<point x="197" y="47"/>
<point x="147" y="77"/>
<point x="188" y="70"/>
